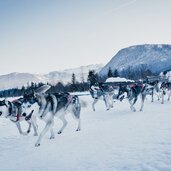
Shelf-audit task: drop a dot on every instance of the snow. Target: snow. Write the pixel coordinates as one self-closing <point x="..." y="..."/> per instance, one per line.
<point x="156" y="57"/>
<point x="159" y="46"/>
<point x="118" y="79"/>
<point x="14" y="80"/>
<point x="114" y="140"/>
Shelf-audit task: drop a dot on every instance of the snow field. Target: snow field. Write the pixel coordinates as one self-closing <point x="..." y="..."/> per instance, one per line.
<point x="114" y="140"/>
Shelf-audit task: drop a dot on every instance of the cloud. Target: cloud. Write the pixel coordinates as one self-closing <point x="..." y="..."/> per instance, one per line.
<point x="123" y="5"/>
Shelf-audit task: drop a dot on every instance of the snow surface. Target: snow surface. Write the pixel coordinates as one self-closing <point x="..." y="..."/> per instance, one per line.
<point x="118" y="79"/>
<point x="114" y="140"/>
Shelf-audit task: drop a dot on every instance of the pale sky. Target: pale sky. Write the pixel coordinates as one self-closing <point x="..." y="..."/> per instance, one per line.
<point x="46" y="35"/>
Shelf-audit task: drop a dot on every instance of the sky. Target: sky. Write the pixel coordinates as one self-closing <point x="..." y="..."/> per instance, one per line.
<point x="39" y="36"/>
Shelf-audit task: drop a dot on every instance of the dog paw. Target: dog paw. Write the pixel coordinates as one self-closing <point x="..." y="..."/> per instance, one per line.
<point x="60" y="132"/>
<point x="37" y="145"/>
<point x="52" y="137"/>
<point x="78" y="129"/>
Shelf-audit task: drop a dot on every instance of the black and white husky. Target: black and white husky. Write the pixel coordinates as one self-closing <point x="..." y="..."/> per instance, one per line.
<point x="47" y="106"/>
<point x="153" y="88"/>
<point x="105" y="93"/>
<point x="165" y="88"/>
<point x="13" y="111"/>
<point x="133" y="91"/>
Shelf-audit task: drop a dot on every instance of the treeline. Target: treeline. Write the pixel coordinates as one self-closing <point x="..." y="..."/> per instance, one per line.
<point x="141" y="72"/>
<point x="72" y="86"/>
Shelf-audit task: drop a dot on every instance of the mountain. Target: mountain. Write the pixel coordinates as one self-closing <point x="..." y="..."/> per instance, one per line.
<point x="153" y="57"/>
<point x="65" y="75"/>
<point x="14" y="80"/>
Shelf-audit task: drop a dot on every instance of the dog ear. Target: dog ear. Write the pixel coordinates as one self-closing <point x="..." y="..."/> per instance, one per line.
<point x="42" y="89"/>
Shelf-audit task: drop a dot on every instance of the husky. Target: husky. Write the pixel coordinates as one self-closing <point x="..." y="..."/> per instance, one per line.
<point x="153" y="88"/>
<point x="133" y="91"/>
<point x="12" y="111"/>
<point x="165" y="87"/>
<point x="47" y="106"/>
<point x="98" y="92"/>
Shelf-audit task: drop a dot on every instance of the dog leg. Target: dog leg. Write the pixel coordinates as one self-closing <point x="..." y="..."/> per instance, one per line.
<point x="64" y="121"/>
<point x="106" y="100"/>
<point x="158" y="96"/>
<point x="142" y="101"/>
<point x="48" y="126"/>
<point x="29" y="128"/>
<point x="35" y="127"/>
<point x="169" y="96"/>
<point x="152" y="96"/>
<point x="79" y="125"/>
<point x="135" y="100"/>
<point x="52" y="136"/>
<point x="19" y="128"/>
<point x="131" y="106"/>
<point x="111" y="101"/>
<point x="163" y="97"/>
<point x="93" y="107"/>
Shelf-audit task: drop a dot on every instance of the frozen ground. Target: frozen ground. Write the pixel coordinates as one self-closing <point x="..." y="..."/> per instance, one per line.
<point x="114" y="140"/>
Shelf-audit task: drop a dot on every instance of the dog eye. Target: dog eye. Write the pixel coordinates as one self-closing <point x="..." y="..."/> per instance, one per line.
<point x="29" y="106"/>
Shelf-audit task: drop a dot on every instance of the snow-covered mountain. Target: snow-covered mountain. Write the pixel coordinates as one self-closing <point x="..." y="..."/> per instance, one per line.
<point x="15" y="79"/>
<point x="65" y="75"/>
<point x="157" y="58"/>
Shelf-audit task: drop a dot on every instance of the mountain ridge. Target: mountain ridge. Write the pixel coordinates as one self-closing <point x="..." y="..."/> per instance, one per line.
<point x="17" y="79"/>
<point x="155" y="57"/>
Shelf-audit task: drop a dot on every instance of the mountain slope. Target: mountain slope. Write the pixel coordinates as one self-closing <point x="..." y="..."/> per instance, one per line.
<point x="14" y="80"/>
<point x="157" y="58"/>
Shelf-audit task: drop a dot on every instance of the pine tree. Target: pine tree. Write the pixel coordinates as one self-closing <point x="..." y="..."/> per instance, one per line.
<point x="110" y="73"/>
<point x="73" y="81"/>
<point x="73" y="86"/>
<point x="115" y="73"/>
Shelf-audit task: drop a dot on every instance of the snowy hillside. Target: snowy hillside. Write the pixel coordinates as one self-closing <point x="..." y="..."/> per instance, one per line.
<point x="80" y="72"/>
<point x="14" y="80"/>
<point x="157" y="58"/>
<point x="114" y="140"/>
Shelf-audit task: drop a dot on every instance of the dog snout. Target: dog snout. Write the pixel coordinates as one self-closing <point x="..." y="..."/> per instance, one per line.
<point x="24" y="114"/>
